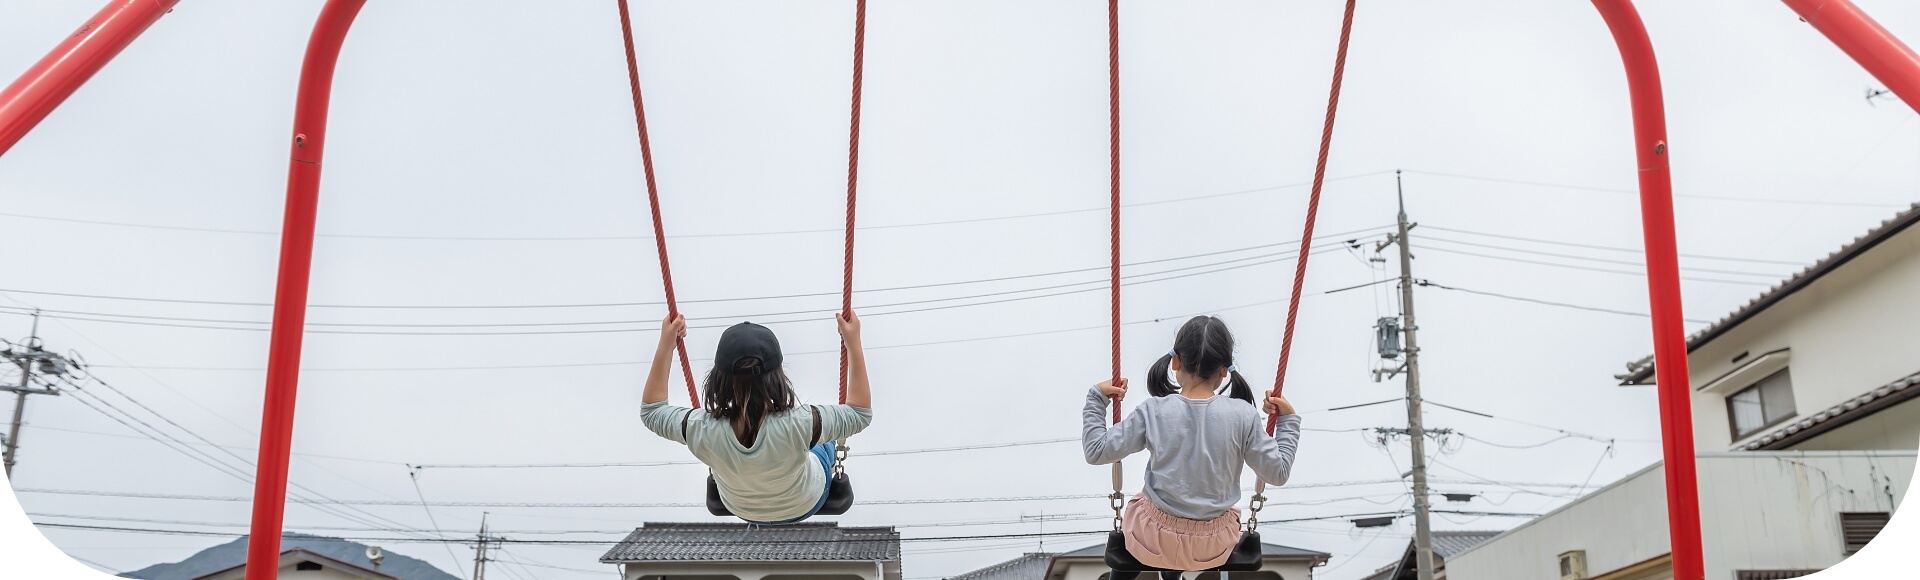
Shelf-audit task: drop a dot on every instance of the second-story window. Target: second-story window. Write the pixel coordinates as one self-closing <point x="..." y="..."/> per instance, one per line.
<point x="1763" y="405"/>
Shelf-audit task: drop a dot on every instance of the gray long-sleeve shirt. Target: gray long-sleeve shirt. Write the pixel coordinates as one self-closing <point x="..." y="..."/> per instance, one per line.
<point x="1197" y="448"/>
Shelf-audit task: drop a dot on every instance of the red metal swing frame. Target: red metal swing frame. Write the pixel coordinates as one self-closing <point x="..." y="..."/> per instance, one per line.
<point x="75" y="60"/>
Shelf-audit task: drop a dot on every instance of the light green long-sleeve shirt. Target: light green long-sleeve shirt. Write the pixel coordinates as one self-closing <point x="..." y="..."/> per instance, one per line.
<point x="774" y="480"/>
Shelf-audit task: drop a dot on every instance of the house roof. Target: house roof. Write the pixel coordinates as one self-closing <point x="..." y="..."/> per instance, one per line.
<point x="1813" y="424"/>
<point x="318" y="558"/>
<point x="1446" y="544"/>
<point x="1029" y="566"/>
<point x="742" y="542"/>
<point x="233" y="554"/>
<point x="1642" y="372"/>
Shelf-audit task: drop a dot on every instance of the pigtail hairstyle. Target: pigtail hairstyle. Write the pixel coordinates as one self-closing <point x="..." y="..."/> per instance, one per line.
<point x="1204" y="346"/>
<point x="749" y="392"/>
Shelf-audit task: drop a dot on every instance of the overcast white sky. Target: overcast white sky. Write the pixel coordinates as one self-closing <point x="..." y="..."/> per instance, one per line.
<point x="468" y="136"/>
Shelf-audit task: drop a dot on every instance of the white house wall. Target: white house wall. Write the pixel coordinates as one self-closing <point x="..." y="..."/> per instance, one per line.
<point x="1626" y="523"/>
<point x="1849" y="332"/>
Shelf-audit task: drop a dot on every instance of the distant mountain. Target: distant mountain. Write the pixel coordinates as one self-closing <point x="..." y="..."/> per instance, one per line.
<point x="234" y="553"/>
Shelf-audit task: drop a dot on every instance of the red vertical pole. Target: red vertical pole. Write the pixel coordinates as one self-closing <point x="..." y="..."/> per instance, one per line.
<point x="290" y="297"/>
<point x="1870" y="45"/>
<point x="49" y="82"/>
<point x="1663" y="284"/>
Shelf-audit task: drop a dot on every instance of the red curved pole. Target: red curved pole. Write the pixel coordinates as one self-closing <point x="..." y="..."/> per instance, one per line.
<point x="1663" y="283"/>
<point x="290" y="296"/>
<point x="49" y="82"/>
<point x="1873" y="47"/>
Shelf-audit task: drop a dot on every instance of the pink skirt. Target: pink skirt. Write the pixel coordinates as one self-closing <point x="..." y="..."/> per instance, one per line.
<point x="1170" y="542"/>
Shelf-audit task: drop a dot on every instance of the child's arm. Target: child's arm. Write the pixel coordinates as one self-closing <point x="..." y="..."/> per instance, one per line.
<point x="842" y="421"/>
<point x="1105" y="445"/>
<point x="1271" y="456"/>
<point x="859" y="394"/>
<point x="671" y="330"/>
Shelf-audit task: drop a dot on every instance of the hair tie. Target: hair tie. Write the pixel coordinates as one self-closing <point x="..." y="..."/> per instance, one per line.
<point x="1233" y="368"/>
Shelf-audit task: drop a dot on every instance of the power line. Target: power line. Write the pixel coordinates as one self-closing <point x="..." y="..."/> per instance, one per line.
<point x="641" y="362"/>
<point x="1431" y="284"/>
<point x="1629" y="191"/>
<point x="208" y="459"/>
<point x="623" y="531"/>
<point x="643" y="505"/>
<point x="1608" y="248"/>
<point x="1097" y="285"/>
<point x="676" y="236"/>
<point x="1590" y="269"/>
<point x="1288" y="243"/>
<point x="1600" y="260"/>
<point x="669" y="463"/>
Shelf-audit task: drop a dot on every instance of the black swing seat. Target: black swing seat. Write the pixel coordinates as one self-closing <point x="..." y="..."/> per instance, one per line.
<point x="839" y="497"/>
<point x="1245" y="557"/>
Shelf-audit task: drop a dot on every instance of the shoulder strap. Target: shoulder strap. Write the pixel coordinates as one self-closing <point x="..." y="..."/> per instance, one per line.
<point x="683" y="424"/>
<point x="815" y="439"/>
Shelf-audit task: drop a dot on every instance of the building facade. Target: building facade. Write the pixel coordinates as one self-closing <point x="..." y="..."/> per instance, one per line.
<point x="1826" y="360"/>
<point x="1806" y="418"/>
<point x="1787" y="513"/>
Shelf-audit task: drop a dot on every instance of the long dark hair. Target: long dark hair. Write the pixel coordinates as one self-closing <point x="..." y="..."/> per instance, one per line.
<point x="750" y="392"/>
<point x="1204" y="346"/>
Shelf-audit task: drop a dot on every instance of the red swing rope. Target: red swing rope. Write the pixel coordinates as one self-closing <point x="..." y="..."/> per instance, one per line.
<point x="853" y="177"/>
<point x="1117" y="499"/>
<point x="1113" y="212"/>
<point x="1313" y="209"/>
<point x="653" y="196"/>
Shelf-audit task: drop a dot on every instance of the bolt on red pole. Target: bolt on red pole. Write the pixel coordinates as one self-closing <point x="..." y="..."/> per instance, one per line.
<point x="290" y="296"/>
<point x="49" y="82"/>
<point x="1862" y="38"/>
<point x="1663" y="284"/>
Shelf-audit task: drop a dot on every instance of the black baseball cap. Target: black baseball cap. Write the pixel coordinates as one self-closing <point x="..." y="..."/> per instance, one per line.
<point x="748" y="340"/>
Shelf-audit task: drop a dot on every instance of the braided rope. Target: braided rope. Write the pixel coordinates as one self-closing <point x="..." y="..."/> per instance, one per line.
<point x="653" y="197"/>
<point x="853" y="177"/>
<point x="1113" y="214"/>
<point x="1313" y="209"/>
<point x="1117" y="500"/>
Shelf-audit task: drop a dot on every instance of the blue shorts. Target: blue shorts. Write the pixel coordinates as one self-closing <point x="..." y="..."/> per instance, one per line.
<point x="824" y="453"/>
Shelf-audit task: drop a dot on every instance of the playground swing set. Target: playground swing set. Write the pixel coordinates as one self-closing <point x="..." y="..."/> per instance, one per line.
<point x="50" y="81"/>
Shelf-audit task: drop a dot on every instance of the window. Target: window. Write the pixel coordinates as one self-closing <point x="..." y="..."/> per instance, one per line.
<point x="307" y="566"/>
<point x="1765" y="404"/>
<point x="1770" y="574"/>
<point x="1858" y="528"/>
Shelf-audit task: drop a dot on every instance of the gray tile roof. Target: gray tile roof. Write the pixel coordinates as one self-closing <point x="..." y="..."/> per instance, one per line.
<point x="1446" y="544"/>
<point x="1641" y="372"/>
<point x="741" y="542"/>
<point x="1898" y="391"/>
<point x="1029" y="566"/>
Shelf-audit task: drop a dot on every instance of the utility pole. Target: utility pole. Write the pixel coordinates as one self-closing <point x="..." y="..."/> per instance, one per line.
<point x="30" y="357"/>
<point x="1422" y="531"/>
<point x="480" y="552"/>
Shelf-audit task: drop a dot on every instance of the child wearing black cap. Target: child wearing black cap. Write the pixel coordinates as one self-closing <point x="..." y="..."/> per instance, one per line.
<point x="771" y="457"/>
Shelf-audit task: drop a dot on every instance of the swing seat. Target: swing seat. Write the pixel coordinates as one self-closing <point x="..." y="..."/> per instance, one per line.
<point x="1244" y="558"/>
<point x="839" y="497"/>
